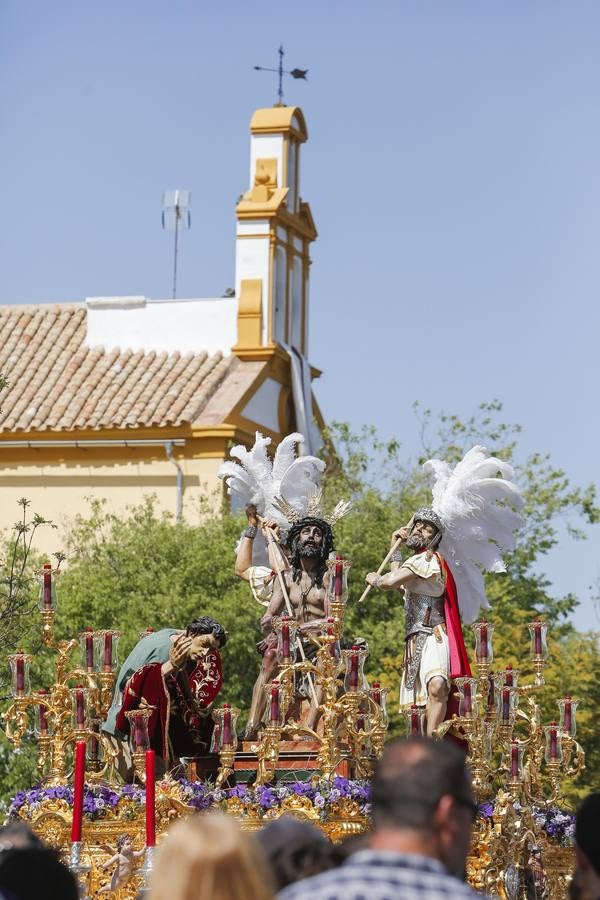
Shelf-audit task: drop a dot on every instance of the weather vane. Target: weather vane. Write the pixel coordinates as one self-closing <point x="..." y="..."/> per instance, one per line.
<point x="295" y="73"/>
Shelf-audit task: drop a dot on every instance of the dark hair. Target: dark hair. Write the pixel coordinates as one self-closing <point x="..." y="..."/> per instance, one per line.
<point x="325" y="549"/>
<point x="295" y="850"/>
<point x="208" y="625"/>
<point x="587" y="833"/>
<point x="412" y="776"/>
<point x="34" y="872"/>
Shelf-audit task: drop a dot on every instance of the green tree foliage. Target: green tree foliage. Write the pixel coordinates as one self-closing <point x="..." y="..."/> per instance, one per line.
<point x="144" y="570"/>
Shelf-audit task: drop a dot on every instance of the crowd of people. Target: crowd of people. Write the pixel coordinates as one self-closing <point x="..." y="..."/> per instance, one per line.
<point x="423" y="814"/>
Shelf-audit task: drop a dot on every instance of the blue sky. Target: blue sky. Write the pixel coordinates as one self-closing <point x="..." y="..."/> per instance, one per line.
<point x="452" y="169"/>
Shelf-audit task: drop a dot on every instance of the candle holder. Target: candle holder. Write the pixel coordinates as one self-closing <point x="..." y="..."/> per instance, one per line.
<point x="105" y="648"/>
<point x="286" y="629"/>
<point x="47" y="601"/>
<point x="79" y="703"/>
<point x="484" y="649"/>
<point x="415" y="719"/>
<point x="80" y="870"/>
<point x="553" y="752"/>
<point x="509" y="677"/>
<point x="225" y="740"/>
<point x="568" y="708"/>
<point x="93" y="745"/>
<point x="467" y="697"/>
<point x="514" y="763"/>
<point x="139" y="739"/>
<point x="506" y="705"/>
<point x="354" y="661"/>
<point x="88" y="656"/>
<point x="19" y="669"/>
<point x="337" y="591"/>
<point x="495" y="681"/>
<point x="539" y="649"/>
<point x="267" y="751"/>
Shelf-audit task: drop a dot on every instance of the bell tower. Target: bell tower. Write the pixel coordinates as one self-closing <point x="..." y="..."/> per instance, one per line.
<point x="274" y="231"/>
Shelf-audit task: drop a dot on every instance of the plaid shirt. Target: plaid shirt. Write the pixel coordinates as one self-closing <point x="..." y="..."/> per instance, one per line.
<point x="382" y="875"/>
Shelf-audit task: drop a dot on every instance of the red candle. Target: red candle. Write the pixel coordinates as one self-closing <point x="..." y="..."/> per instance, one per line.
<point x="108" y="638"/>
<point x="376" y="693"/>
<point x="274" y="713"/>
<point x="47" y="589"/>
<point x="78" y="791"/>
<point x="353" y="681"/>
<point x="338" y="587"/>
<point x="537" y="637"/>
<point x="414" y="719"/>
<point x="89" y="649"/>
<point x="508" y="677"/>
<point x="79" y="706"/>
<point x="514" y="760"/>
<point x="226" y="742"/>
<point x="567" y="720"/>
<point x="505" y="704"/>
<point x="285" y="638"/>
<point x="43" y="715"/>
<point x="553" y="741"/>
<point x="20" y="674"/>
<point x="467" y="702"/>
<point x="483" y="640"/>
<point x="150" y="799"/>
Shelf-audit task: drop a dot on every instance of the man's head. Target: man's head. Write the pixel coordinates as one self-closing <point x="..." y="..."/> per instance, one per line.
<point x="310" y="539"/>
<point x="426" y="531"/>
<point x="422" y="798"/>
<point x="206" y="633"/>
<point x="587" y="844"/>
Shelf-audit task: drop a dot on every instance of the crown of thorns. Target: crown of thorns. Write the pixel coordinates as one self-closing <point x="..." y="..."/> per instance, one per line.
<point x="313" y="509"/>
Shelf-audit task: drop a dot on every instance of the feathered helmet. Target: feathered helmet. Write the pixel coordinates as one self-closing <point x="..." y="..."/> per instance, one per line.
<point x="285" y="490"/>
<point x="476" y="511"/>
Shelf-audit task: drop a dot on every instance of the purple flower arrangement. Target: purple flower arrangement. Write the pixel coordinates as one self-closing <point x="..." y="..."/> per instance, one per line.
<point x="100" y="801"/>
<point x="558" y="824"/>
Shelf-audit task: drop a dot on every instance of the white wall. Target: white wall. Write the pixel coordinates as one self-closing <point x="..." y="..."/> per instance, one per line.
<point x="162" y="325"/>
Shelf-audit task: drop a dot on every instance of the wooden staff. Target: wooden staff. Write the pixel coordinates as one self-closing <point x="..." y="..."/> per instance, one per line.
<point x="387" y="559"/>
<point x="288" y="605"/>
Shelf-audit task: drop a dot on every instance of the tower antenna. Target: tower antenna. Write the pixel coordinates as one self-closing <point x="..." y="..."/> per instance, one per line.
<point x="175" y="215"/>
<point x="295" y="73"/>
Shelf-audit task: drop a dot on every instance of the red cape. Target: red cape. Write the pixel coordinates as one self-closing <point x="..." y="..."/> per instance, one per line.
<point x="459" y="660"/>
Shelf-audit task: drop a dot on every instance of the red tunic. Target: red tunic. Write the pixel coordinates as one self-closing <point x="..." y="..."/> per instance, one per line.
<point x="175" y="727"/>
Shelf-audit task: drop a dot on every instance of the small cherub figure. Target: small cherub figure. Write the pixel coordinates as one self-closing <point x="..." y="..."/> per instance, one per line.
<point x="123" y="861"/>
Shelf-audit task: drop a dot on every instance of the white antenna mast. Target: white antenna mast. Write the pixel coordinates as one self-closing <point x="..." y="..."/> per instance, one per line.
<point x="175" y="215"/>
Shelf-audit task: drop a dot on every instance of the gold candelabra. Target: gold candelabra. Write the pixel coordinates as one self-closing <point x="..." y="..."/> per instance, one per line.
<point x="77" y="702"/>
<point x="514" y="758"/>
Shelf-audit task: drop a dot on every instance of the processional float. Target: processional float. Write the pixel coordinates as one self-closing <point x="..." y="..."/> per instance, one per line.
<point x="518" y="764"/>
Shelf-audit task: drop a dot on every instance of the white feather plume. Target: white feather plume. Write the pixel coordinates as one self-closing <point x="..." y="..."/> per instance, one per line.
<point x="479" y="505"/>
<point x="258" y="481"/>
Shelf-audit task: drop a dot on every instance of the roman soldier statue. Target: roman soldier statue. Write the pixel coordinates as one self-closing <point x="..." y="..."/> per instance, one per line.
<point x="452" y="543"/>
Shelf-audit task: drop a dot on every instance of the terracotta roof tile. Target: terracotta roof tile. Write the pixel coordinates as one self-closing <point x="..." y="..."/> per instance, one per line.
<point x="57" y="383"/>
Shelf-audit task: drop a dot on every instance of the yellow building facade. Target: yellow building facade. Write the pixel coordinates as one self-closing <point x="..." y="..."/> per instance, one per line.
<point x="116" y="398"/>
